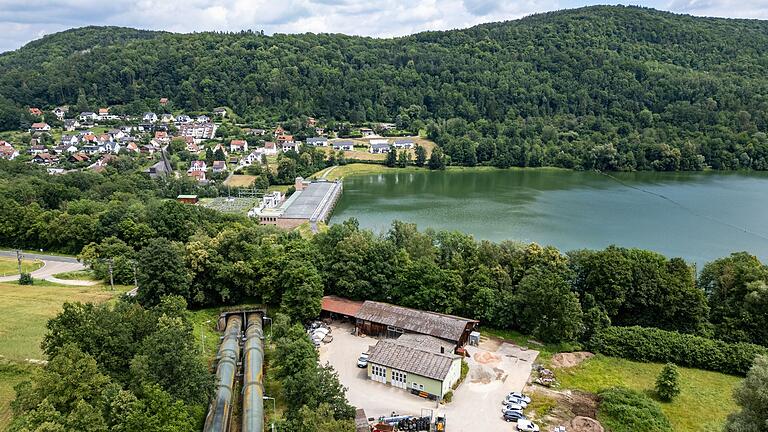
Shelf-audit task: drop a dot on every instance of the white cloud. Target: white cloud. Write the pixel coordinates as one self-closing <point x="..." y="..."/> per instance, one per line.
<point x="21" y="21"/>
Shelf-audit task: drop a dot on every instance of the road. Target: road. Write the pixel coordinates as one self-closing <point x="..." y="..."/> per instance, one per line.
<point x="52" y="265"/>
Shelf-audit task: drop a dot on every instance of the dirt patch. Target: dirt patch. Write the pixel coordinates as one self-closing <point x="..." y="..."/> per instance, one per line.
<point x="485" y="357"/>
<point x="585" y="424"/>
<point x="570" y="359"/>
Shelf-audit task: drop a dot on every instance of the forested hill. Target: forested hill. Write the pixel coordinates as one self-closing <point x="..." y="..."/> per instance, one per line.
<point x="606" y="87"/>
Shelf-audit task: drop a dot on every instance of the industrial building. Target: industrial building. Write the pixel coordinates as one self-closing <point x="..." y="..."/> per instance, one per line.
<point x="312" y="202"/>
<point x="416" y="362"/>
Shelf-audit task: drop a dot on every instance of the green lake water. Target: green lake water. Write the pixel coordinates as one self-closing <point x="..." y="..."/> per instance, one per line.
<point x="697" y="216"/>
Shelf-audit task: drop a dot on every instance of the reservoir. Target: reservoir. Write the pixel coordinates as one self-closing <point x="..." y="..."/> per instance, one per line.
<point x="696" y="216"/>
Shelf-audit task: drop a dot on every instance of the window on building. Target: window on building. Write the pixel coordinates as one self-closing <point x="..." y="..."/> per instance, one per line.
<point x="378" y="371"/>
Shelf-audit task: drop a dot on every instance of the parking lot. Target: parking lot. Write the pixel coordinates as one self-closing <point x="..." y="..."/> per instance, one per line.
<point x="495" y="369"/>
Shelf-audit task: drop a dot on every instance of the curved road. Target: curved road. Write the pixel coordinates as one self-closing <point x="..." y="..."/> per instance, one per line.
<point x="52" y="264"/>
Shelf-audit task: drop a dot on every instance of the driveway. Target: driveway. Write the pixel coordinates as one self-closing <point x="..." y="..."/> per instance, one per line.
<point x="495" y="369"/>
<point x="52" y="265"/>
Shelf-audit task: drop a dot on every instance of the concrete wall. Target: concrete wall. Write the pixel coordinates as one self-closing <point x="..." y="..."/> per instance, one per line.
<point x="454" y="373"/>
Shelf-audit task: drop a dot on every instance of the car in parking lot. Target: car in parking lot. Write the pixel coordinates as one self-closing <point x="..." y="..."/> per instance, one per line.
<point x="527" y="426"/>
<point x="514" y="401"/>
<point x="511" y="407"/>
<point x="519" y="396"/>
<point x="513" y="416"/>
<point x="362" y="361"/>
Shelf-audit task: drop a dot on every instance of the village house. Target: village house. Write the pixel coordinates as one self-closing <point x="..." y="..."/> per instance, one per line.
<point x="71" y="124"/>
<point x="258" y="132"/>
<point x="203" y="119"/>
<point x="69" y="139"/>
<point x="386" y="126"/>
<point x="403" y="144"/>
<point x="311" y="122"/>
<point x="65" y="148"/>
<point x="60" y="112"/>
<point x="253" y="157"/>
<point x="88" y="116"/>
<point x="289" y="145"/>
<point x="149" y="117"/>
<point x="132" y="147"/>
<point x="78" y="158"/>
<point x="197" y="175"/>
<point x="183" y="118"/>
<point x="270" y="148"/>
<point x="103" y="113"/>
<point x="379" y="148"/>
<point x="162" y="137"/>
<point x="219" y="166"/>
<point x="44" y="159"/>
<point x="167" y="118"/>
<point x="7" y="151"/>
<point x="36" y="149"/>
<point x="40" y="127"/>
<point x="163" y="101"/>
<point x="366" y="132"/>
<point x="345" y="145"/>
<point x="221" y="112"/>
<point x="218" y="147"/>
<point x="319" y="131"/>
<point x="198" y="165"/>
<point x="147" y="149"/>
<point x="116" y="134"/>
<point x="284" y="139"/>
<point x="240" y="146"/>
<point x="35" y="112"/>
<point x="317" y="141"/>
<point x="199" y="131"/>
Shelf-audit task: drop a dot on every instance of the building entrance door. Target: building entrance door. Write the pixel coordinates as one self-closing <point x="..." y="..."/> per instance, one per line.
<point x="399" y="379"/>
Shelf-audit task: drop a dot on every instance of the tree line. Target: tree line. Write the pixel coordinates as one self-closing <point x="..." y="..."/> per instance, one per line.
<point x="606" y="87"/>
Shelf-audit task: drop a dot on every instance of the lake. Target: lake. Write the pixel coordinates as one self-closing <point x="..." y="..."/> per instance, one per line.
<point x="697" y="216"/>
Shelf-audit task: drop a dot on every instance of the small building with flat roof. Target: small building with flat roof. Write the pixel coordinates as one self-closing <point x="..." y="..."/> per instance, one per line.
<point x="312" y="202"/>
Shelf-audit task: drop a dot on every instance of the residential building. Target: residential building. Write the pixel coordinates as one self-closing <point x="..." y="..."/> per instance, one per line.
<point x="183" y="118"/>
<point x="284" y="139"/>
<point x="199" y="131"/>
<point x="7" y="151"/>
<point x="311" y="122"/>
<point x="43" y="159"/>
<point x="221" y="112"/>
<point x="103" y="113"/>
<point x="203" y="119"/>
<point x="163" y="101"/>
<point x="219" y="166"/>
<point x="40" y="127"/>
<point x="289" y="145"/>
<point x="162" y="137"/>
<point x="345" y="145"/>
<point x="317" y="141"/>
<point x="366" y="132"/>
<point x="403" y="144"/>
<point x="379" y="148"/>
<point x="60" y="112"/>
<point x="278" y="131"/>
<point x="167" y="118"/>
<point x="149" y="117"/>
<point x="71" y="124"/>
<point x="253" y="157"/>
<point x="197" y="175"/>
<point x="36" y="149"/>
<point x="35" y="112"/>
<point x="78" y="158"/>
<point x="240" y="146"/>
<point x="187" y="199"/>
<point x="198" y="165"/>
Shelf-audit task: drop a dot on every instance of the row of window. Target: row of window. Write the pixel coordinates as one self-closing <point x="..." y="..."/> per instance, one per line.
<point x="397" y="376"/>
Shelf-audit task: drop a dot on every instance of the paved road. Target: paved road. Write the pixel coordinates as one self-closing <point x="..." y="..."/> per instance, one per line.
<point x="52" y="264"/>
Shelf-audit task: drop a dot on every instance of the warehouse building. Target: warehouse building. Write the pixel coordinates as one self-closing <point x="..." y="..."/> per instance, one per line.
<point x="383" y="319"/>
<point x="420" y="363"/>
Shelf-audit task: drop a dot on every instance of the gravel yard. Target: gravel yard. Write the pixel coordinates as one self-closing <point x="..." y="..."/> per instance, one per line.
<point x="495" y="369"/>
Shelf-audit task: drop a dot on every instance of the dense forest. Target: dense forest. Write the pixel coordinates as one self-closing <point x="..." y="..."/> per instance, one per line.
<point x="610" y="88"/>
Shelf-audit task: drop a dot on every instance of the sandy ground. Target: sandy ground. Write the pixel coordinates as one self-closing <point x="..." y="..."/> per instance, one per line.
<point x="495" y="370"/>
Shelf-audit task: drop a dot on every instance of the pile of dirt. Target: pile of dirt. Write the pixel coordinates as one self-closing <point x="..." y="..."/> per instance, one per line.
<point x="570" y="359"/>
<point x="585" y="424"/>
<point x="484" y="357"/>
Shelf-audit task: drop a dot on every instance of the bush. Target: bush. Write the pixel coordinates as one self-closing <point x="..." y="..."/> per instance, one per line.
<point x="654" y="345"/>
<point x="448" y="396"/>
<point x="625" y="410"/>
<point x="667" y="383"/>
<point x="26" y="279"/>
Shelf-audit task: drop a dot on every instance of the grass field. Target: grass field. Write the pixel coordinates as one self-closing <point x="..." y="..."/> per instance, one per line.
<point x="76" y="275"/>
<point x="240" y="180"/>
<point x="9" y="266"/>
<point x="363" y="169"/>
<point x="705" y="401"/>
<point x="24" y="312"/>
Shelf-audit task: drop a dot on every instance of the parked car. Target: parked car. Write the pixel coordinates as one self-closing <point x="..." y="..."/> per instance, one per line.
<point x="513" y="416"/>
<point x="515" y="401"/>
<point x="362" y="361"/>
<point x="511" y="407"/>
<point x="527" y="426"/>
<point x="518" y="395"/>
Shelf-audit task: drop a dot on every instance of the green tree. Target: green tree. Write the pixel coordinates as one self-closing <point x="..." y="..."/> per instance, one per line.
<point x="421" y="155"/>
<point x="303" y="291"/>
<point x="752" y="397"/>
<point x="436" y="159"/>
<point x="161" y="271"/>
<point x="668" y="383"/>
<point x="391" y="160"/>
<point x="403" y="159"/>
<point x="546" y="306"/>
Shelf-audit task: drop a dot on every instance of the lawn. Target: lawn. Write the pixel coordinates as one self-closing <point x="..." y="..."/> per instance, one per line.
<point x="363" y="169"/>
<point x="76" y="275"/>
<point x="9" y="266"/>
<point x="705" y="401"/>
<point x="24" y="312"/>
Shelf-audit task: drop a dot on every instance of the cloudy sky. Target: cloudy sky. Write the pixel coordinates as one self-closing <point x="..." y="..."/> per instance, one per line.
<point x="22" y="20"/>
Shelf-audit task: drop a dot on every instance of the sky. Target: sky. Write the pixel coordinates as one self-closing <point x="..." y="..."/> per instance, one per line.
<point x="22" y="21"/>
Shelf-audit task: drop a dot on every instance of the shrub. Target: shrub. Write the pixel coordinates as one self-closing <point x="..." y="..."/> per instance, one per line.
<point x="625" y="410"/>
<point x="464" y="372"/>
<point x="654" y="345"/>
<point x="26" y="279"/>
<point x="667" y="383"/>
<point x="448" y="396"/>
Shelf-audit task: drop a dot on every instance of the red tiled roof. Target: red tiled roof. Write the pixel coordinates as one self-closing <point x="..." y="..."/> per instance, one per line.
<point x="341" y="305"/>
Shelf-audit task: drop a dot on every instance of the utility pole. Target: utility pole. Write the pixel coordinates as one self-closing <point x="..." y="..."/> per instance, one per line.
<point x="111" y="278"/>
<point x="18" y="258"/>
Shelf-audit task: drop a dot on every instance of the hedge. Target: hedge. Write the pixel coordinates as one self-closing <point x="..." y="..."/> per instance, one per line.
<point x="660" y="346"/>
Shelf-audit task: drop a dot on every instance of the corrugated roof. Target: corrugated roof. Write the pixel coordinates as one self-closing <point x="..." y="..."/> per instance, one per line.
<point x="444" y="326"/>
<point x="406" y="358"/>
<point x="341" y="305"/>
<point x="427" y="342"/>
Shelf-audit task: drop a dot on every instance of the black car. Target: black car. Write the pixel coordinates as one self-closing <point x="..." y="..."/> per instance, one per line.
<point x="513" y="416"/>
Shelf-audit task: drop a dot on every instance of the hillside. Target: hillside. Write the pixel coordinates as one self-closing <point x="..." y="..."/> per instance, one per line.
<point x="601" y="87"/>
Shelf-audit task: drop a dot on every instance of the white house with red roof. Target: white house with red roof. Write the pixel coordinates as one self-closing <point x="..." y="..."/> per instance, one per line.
<point x="40" y="127"/>
<point x="240" y="146"/>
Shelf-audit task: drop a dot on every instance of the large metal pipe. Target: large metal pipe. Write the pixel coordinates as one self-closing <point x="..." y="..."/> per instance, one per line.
<point x="220" y="410"/>
<point x="253" y="387"/>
